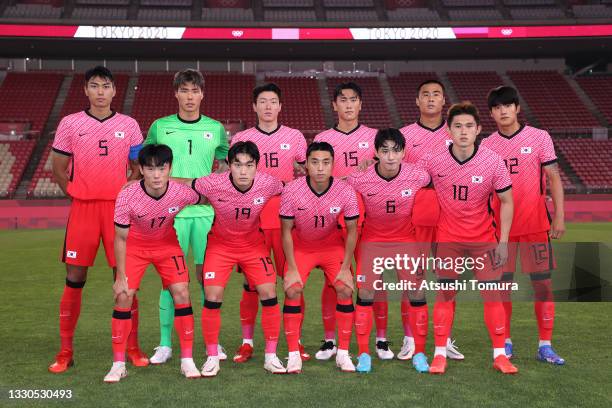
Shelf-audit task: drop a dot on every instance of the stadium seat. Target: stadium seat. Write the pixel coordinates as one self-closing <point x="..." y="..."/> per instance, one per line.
<point x="301" y="103"/>
<point x="590" y="159"/>
<point x="599" y="89"/>
<point x="14" y="157"/>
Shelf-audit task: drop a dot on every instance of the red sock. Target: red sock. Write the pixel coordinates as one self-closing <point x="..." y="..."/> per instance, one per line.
<point x="133" y="337"/>
<point x="345" y="313"/>
<point x="270" y="323"/>
<point x="495" y="317"/>
<point x="211" y="325"/>
<point x="292" y="316"/>
<point x="419" y="320"/>
<point x="545" y="315"/>
<point x="183" y="324"/>
<point x="363" y="325"/>
<point x="121" y="325"/>
<point x="303" y="306"/>
<point x="442" y="321"/>
<point x="381" y="315"/>
<point x="328" y="310"/>
<point x="508" y="320"/>
<point x="70" y="309"/>
<point x="405" y="309"/>
<point x="249" y="305"/>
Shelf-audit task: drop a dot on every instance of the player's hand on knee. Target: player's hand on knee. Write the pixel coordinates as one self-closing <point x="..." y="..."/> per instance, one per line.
<point x="292" y="278"/>
<point x="345" y="277"/>
<point x="120" y="287"/>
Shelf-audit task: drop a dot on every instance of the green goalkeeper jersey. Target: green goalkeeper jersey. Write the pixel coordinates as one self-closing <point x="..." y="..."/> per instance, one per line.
<point x="195" y="145"/>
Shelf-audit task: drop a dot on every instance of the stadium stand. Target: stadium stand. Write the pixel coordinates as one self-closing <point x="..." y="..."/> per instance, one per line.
<point x="529" y="2"/>
<point x="14" y="157"/>
<point x="104" y="2"/>
<point x="351" y="15"/>
<point x="348" y="3"/>
<point x="167" y="3"/>
<point x="164" y="14"/>
<point x="468" y="3"/>
<point x="592" y="11"/>
<point x="288" y="3"/>
<point x="153" y="98"/>
<point x="537" y="13"/>
<point x="227" y="14"/>
<point x="404" y="88"/>
<point x="551" y="99"/>
<point x="599" y="89"/>
<point x="42" y="184"/>
<point x="469" y="14"/>
<point x="413" y="14"/>
<point x="100" y="13"/>
<point x="227" y="97"/>
<point x="590" y="159"/>
<point x="33" y="11"/>
<point x="289" y="15"/>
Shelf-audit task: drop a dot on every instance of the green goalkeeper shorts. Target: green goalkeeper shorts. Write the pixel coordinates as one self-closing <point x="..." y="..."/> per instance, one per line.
<point x="193" y="232"/>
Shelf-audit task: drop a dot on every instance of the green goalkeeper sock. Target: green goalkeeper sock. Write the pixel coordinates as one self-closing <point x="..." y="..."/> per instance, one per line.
<point x="166" y="318"/>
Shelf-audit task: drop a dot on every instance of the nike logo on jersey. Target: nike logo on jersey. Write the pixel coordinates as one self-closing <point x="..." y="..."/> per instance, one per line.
<point x="222" y="200"/>
<point x="180" y="273"/>
<point x="140" y="216"/>
<point x="371" y="194"/>
<point x="415" y="145"/>
<point x="170" y="132"/>
<point x="82" y="134"/>
<point x="301" y="209"/>
<point x="441" y="175"/>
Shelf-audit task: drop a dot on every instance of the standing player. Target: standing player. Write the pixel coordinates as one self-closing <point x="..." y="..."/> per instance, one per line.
<point x="313" y="205"/>
<point x="238" y="198"/>
<point x="353" y="145"/>
<point x="428" y="133"/>
<point x="196" y="141"/>
<point x="388" y="189"/>
<point x="144" y="215"/>
<point x="98" y="145"/>
<point x="283" y="149"/>
<point x="528" y="153"/>
<point x="465" y="176"/>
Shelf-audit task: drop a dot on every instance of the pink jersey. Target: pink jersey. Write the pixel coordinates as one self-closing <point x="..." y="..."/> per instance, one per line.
<point x="151" y="219"/>
<point x="464" y="189"/>
<point x="388" y="202"/>
<point x="100" y="153"/>
<point x="236" y="212"/>
<point x="316" y="215"/>
<point x="421" y="140"/>
<point x="350" y="148"/>
<point x="525" y="153"/>
<point x="278" y="149"/>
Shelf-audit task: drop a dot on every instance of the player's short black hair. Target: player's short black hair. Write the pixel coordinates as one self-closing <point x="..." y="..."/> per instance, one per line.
<point x="431" y="81"/>
<point x="347" y="85"/>
<point x="100" y="72"/>
<point x="463" y="108"/>
<point x="319" y="147"/>
<point x="188" y="75"/>
<point x="247" y="147"/>
<point x="392" y="135"/>
<point x="502" y="95"/>
<point x="269" y="87"/>
<point x="155" y="155"/>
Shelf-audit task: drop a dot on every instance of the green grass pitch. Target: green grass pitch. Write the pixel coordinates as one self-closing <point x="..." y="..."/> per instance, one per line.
<point x="31" y="283"/>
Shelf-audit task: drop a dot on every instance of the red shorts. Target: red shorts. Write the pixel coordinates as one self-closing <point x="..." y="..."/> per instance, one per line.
<point x="89" y="220"/>
<point x="536" y="253"/>
<point x="169" y="262"/>
<point x="255" y="263"/>
<point x="268" y="218"/>
<point x="328" y="258"/>
<point x="274" y="243"/>
<point x="453" y="259"/>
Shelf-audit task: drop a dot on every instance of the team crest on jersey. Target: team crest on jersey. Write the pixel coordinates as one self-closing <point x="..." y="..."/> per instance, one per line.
<point x="172" y="210"/>
<point x="209" y="275"/>
<point x="476" y="179"/>
<point x="285" y="146"/>
<point x="334" y="210"/>
<point x="258" y="200"/>
<point x="71" y="254"/>
<point x="120" y="135"/>
<point x="526" y="150"/>
<point x="406" y="193"/>
<point x="364" y="145"/>
<point x="448" y="142"/>
<point x="208" y="135"/>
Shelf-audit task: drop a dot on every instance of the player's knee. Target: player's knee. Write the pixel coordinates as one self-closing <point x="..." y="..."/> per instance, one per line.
<point x="267" y="291"/>
<point x="365" y="294"/>
<point x="180" y="294"/>
<point x="124" y="300"/>
<point x="343" y="292"/>
<point x="542" y="287"/>
<point x="76" y="273"/>
<point x="294" y="291"/>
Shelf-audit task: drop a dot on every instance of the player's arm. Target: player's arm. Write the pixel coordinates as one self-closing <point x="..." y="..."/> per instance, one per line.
<point x="345" y="276"/>
<point x="292" y="276"/>
<point x="120" y="286"/>
<point x="506" y="213"/>
<point x="557" y="229"/>
<point x="59" y="164"/>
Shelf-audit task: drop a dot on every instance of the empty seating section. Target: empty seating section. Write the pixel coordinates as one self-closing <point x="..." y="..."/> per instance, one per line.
<point x="100" y="13"/>
<point x="33" y="11"/>
<point x="301" y="103"/>
<point x="29" y="97"/>
<point x="164" y="14"/>
<point x="153" y="98"/>
<point x="227" y="3"/>
<point x="474" y="87"/>
<point x="537" y="13"/>
<point x="167" y="3"/>
<point x="529" y="3"/>
<point x="14" y="157"/>
<point x="290" y="15"/>
<point x="404" y="88"/>
<point x="77" y="101"/>
<point x="592" y="11"/>
<point x="599" y="89"/>
<point x="467" y="14"/>
<point x="348" y="3"/>
<point x="590" y="159"/>
<point x="227" y="14"/>
<point x="104" y="2"/>
<point x="468" y="3"/>
<point x="351" y="15"/>
<point x="43" y="183"/>
<point x="551" y="99"/>
<point x="413" y="14"/>
<point x="374" y="111"/>
<point x="229" y="97"/>
<point x="396" y="4"/>
<point x="288" y="3"/>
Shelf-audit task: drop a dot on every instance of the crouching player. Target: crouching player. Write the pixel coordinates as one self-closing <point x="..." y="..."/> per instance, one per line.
<point x="144" y="235"/>
<point x="312" y="205"/>
<point x="238" y="197"/>
<point x="465" y="176"/>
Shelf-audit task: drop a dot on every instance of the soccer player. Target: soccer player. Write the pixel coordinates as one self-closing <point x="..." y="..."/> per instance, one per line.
<point x="312" y="205"/>
<point x="353" y="145"/>
<point x="529" y="154"/>
<point x="238" y="198"/>
<point x="144" y="215"/>
<point x="465" y="176"/>
<point x="283" y="150"/>
<point x="196" y="141"/>
<point x="92" y="151"/>
<point x="428" y="133"/>
<point x="388" y="189"/>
